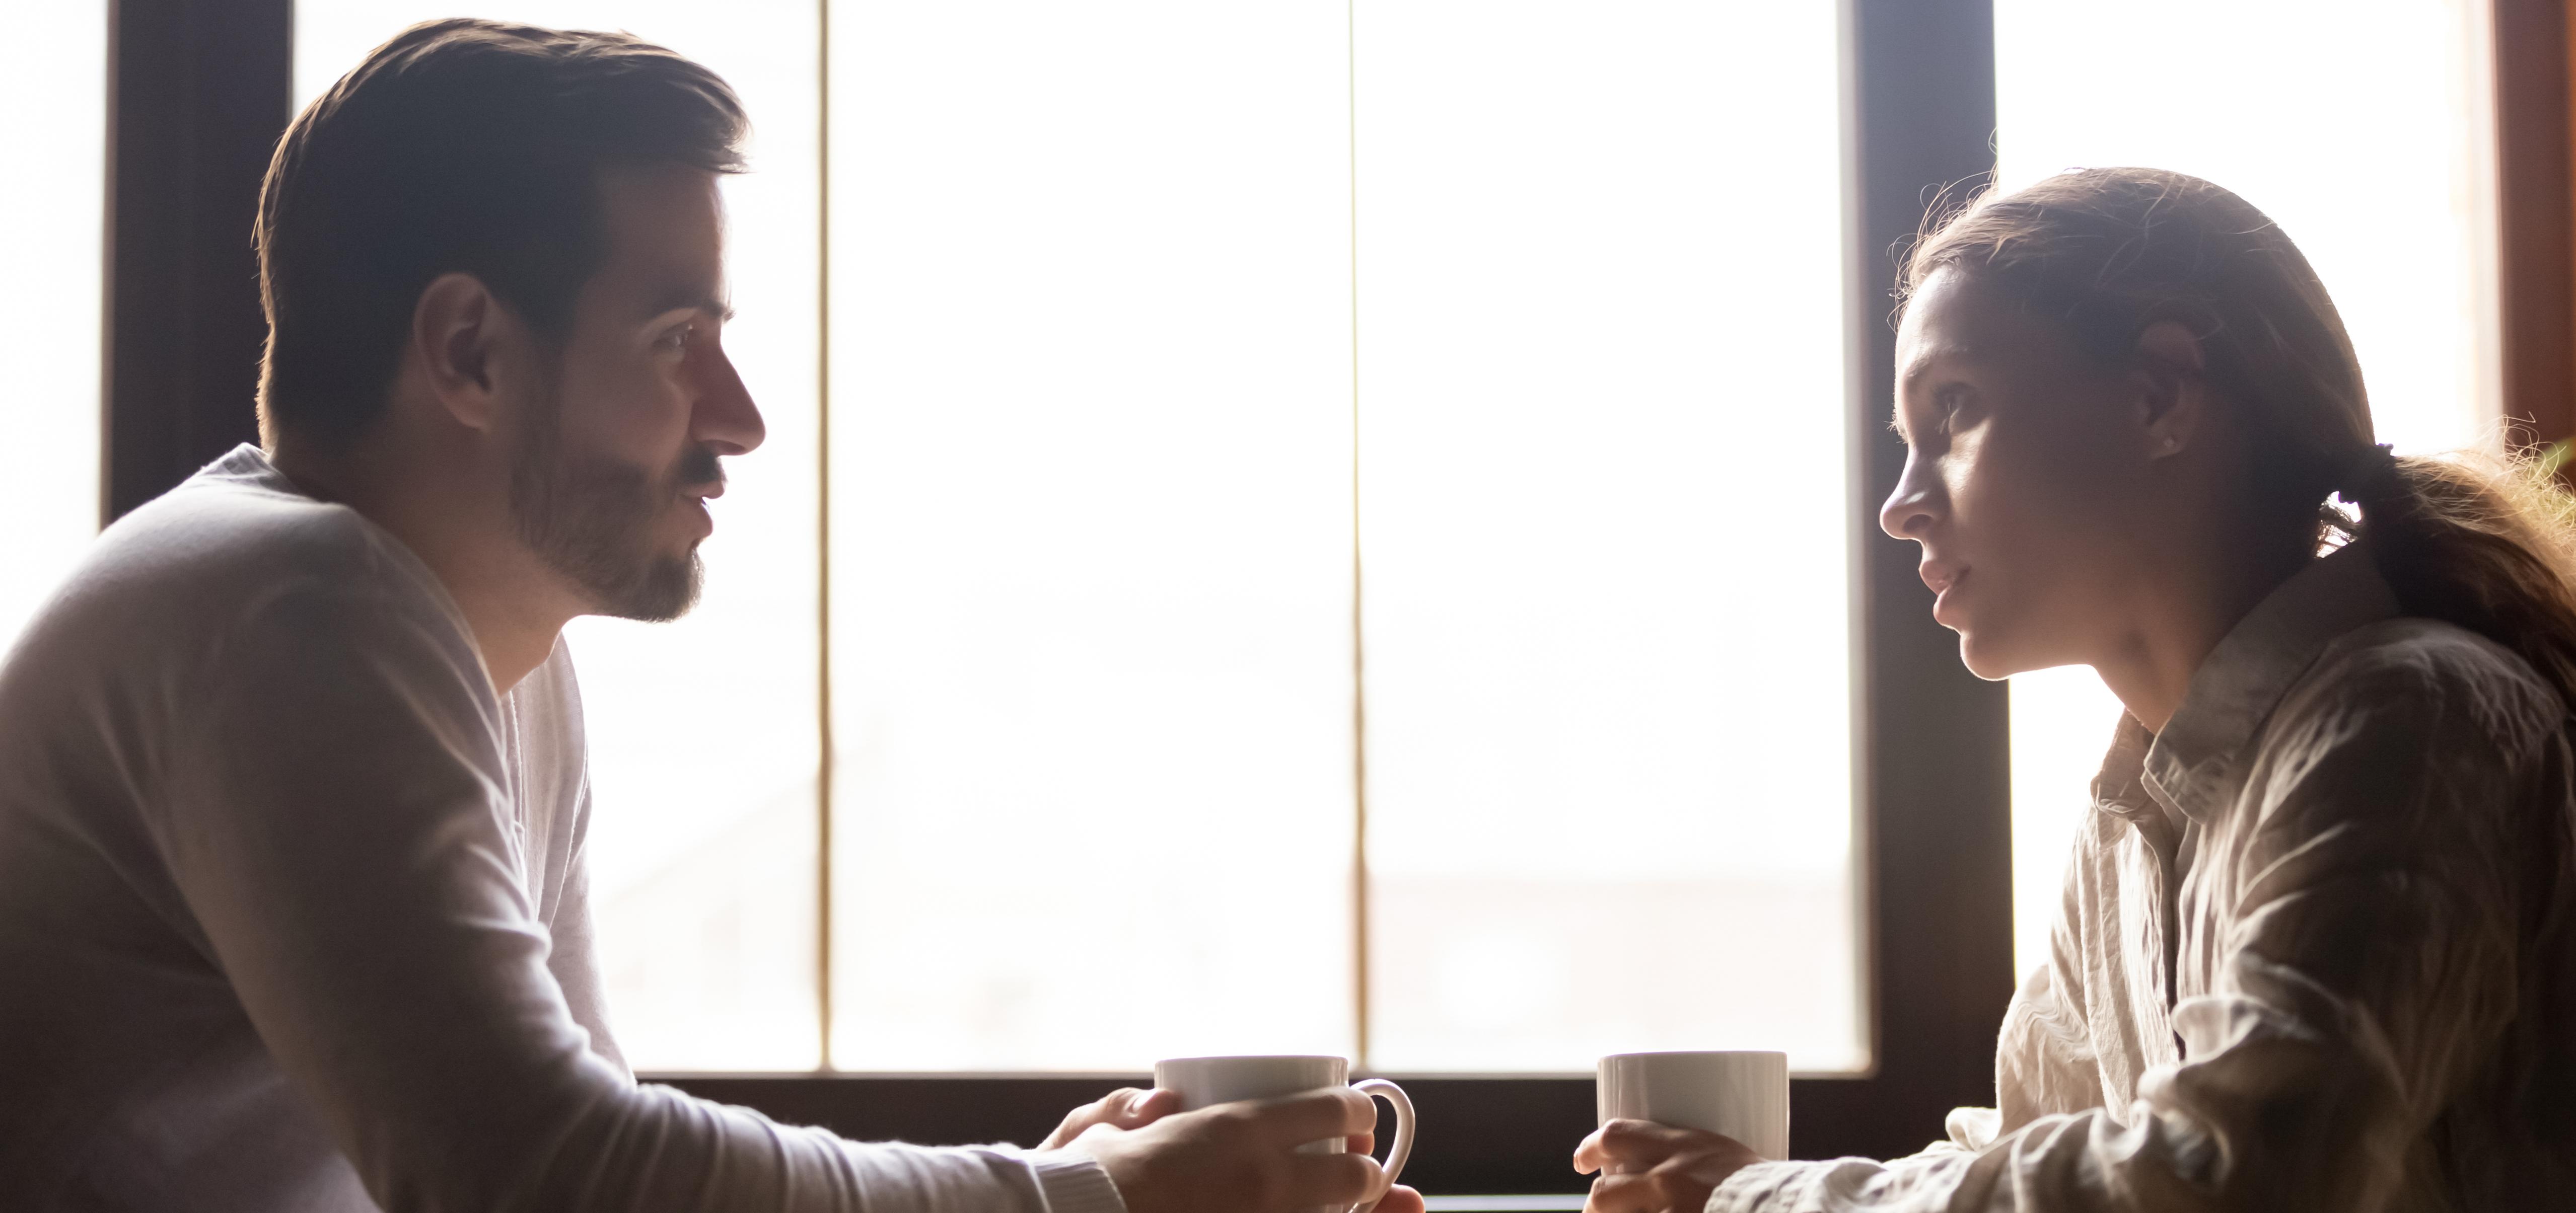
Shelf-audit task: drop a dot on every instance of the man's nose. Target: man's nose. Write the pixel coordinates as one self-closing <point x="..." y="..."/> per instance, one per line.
<point x="726" y="420"/>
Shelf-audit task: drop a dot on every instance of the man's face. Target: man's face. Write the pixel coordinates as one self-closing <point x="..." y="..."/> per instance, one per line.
<point x="609" y="484"/>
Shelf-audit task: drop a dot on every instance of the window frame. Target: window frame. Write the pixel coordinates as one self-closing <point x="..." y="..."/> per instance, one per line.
<point x="199" y="92"/>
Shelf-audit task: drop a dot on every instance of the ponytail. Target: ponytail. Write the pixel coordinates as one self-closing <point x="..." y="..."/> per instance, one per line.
<point x="2482" y="542"/>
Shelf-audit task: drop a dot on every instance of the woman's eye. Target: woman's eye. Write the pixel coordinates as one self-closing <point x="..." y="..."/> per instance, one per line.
<point x="675" y="341"/>
<point x="1946" y="406"/>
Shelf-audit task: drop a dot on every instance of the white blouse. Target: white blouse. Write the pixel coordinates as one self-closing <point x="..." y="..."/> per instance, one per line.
<point x="2317" y="949"/>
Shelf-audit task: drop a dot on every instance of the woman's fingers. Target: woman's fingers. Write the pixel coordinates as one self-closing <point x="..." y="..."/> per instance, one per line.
<point x="1634" y="1145"/>
<point x="1644" y="1192"/>
<point x="1652" y="1168"/>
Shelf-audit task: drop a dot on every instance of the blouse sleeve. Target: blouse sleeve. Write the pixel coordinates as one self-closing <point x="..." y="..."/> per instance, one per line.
<point x="2368" y="966"/>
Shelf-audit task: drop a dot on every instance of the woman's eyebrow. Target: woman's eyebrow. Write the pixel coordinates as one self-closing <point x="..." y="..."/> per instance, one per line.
<point x="1932" y="356"/>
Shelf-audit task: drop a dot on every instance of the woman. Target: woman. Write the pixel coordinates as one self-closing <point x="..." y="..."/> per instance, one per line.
<point x="2318" y="943"/>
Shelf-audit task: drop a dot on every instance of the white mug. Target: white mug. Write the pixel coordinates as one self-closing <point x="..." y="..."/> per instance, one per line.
<point x="1741" y="1095"/>
<point x="1205" y="1081"/>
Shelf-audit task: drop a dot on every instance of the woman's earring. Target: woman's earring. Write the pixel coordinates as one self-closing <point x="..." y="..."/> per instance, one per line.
<point x="2172" y="444"/>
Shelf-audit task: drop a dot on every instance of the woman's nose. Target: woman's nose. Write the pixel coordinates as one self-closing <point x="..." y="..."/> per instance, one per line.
<point x="1910" y="510"/>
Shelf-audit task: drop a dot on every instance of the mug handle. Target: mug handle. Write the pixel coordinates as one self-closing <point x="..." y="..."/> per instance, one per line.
<point x="1403" y="1148"/>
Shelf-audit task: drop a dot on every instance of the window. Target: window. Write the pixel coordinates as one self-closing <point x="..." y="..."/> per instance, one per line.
<point x="1226" y="401"/>
<point x="54" y="65"/>
<point x="2296" y="103"/>
<point x="1601" y="391"/>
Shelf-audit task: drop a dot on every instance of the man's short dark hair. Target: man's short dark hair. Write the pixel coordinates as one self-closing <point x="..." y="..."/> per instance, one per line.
<point x="460" y="146"/>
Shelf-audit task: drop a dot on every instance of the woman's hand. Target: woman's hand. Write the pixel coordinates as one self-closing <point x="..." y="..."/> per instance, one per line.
<point x="1650" y="1168"/>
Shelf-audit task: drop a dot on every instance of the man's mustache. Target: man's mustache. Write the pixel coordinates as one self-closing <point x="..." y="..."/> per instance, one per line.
<point x="698" y="469"/>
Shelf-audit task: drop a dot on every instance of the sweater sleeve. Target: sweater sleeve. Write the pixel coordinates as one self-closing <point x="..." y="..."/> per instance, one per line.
<point x="574" y="956"/>
<point x="331" y="811"/>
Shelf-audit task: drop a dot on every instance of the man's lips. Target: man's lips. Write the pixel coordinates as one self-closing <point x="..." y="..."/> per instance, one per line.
<point x="1940" y="575"/>
<point x="696" y="503"/>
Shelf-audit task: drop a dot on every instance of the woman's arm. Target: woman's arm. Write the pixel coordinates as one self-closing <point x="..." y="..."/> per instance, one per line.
<point x="2366" y="972"/>
<point x="2368" y="968"/>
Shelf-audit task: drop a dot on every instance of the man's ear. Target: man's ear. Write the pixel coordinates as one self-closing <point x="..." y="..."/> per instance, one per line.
<point x="2172" y="400"/>
<point x="458" y="332"/>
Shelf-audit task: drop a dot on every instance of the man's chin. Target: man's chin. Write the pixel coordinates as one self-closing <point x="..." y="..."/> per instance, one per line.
<point x="665" y="590"/>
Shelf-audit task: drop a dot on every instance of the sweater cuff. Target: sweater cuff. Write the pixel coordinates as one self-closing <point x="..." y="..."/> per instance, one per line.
<point x="1073" y="1183"/>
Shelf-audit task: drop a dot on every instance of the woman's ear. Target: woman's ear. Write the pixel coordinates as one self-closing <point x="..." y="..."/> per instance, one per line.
<point x="2172" y="400"/>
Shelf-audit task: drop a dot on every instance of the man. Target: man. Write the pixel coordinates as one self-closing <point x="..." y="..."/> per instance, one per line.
<point x="292" y="796"/>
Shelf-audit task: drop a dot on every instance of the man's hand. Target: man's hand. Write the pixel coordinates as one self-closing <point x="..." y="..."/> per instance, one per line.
<point x="1240" y="1157"/>
<point x="1124" y="1108"/>
<point x="1650" y="1168"/>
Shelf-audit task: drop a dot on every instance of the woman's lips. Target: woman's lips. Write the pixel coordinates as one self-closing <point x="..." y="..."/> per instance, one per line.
<point x="1944" y="580"/>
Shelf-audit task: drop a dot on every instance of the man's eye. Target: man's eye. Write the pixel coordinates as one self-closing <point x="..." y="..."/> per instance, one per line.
<point x="675" y="341"/>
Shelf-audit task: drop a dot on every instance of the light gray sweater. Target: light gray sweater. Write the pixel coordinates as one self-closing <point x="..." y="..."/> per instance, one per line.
<point x="293" y="913"/>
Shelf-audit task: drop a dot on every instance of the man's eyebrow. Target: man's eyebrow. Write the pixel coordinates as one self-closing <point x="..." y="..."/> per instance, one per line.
<point x="696" y="300"/>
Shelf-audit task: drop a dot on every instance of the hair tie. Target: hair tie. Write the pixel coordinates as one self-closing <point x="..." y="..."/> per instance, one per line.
<point x="2364" y="470"/>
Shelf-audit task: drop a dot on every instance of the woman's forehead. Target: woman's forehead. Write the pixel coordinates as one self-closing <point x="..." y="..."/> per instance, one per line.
<point x="1954" y="318"/>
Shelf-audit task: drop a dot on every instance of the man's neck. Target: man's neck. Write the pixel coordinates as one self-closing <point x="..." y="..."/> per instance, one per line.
<point x="459" y="525"/>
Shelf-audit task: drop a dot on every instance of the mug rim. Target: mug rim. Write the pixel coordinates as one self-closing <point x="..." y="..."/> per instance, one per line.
<point x="1699" y="1053"/>
<point x="1174" y="1061"/>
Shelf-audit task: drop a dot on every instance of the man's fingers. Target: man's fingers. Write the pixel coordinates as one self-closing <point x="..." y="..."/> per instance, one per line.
<point x="1124" y="1108"/>
<point x="1295" y="1120"/>
<point x="1400" y="1199"/>
<point x="1330" y="1179"/>
<point x="1136" y="1109"/>
<point x="1360" y="1143"/>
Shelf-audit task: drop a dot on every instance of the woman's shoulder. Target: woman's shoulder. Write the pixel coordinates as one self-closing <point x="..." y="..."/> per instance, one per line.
<point x="2428" y="676"/>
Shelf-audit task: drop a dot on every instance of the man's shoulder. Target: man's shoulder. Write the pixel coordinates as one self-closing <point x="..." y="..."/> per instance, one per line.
<point x="219" y="550"/>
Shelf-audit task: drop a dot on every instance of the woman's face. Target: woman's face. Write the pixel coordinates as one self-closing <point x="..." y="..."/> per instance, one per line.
<point x="2021" y="454"/>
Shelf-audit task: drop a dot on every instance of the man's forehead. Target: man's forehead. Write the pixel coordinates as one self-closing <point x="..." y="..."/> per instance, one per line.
<point x="665" y="228"/>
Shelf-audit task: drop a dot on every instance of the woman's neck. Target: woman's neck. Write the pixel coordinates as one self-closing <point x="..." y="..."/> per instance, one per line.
<point x="2179" y="617"/>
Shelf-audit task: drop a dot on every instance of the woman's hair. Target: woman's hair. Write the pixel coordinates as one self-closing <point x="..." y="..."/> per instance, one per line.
<point x="2480" y="541"/>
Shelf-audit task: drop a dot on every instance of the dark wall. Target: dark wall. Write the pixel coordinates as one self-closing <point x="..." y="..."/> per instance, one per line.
<point x="197" y="96"/>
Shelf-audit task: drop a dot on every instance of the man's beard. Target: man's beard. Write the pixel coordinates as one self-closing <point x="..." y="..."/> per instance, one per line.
<point x="591" y="519"/>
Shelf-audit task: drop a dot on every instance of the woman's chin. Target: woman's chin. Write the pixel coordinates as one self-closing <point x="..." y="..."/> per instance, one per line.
<point x="1984" y="658"/>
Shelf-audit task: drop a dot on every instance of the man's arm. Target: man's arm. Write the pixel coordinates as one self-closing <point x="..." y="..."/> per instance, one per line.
<point x="329" y="803"/>
<point x="330" y="807"/>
